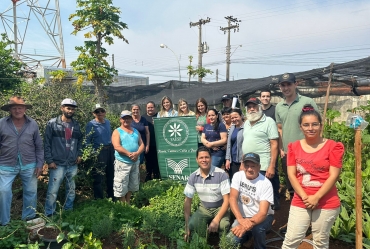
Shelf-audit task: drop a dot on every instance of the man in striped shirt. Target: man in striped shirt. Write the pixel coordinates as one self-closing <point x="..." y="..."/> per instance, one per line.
<point x="213" y="187"/>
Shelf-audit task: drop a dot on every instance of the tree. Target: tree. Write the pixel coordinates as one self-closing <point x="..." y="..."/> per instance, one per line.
<point x="201" y="72"/>
<point x="102" y="22"/>
<point x="10" y="67"/>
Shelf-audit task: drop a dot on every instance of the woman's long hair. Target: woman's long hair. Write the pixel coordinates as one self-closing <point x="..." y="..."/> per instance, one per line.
<point x="204" y="102"/>
<point x="216" y="125"/>
<point x="178" y="106"/>
<point x="163" y="111"/>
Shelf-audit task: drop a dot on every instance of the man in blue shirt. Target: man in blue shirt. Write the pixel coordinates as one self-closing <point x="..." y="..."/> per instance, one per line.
<point x="99" y="134"/>
<point x="21" y="153"/>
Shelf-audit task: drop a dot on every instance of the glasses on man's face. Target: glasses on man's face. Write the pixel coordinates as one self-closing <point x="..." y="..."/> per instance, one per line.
<point x="99" y="111"/>
<point x="315" y="125"/>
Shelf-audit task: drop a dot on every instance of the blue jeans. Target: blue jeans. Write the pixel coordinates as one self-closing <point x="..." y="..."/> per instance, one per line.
<point x="258" y="233"/>
<point x="56" y="177"/>
<point x="29" y="185"/>
<point x="217" y="161"/>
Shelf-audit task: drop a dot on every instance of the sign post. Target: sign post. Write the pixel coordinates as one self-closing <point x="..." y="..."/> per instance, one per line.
<point x="177" y="143"/>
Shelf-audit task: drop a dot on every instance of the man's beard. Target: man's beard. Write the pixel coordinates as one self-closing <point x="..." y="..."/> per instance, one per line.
<point x="252" y="117"/>
<point x="69" y="116"/>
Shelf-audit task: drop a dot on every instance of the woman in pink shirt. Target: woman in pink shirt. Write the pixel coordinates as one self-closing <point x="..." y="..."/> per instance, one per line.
<point x="314" y="164"/>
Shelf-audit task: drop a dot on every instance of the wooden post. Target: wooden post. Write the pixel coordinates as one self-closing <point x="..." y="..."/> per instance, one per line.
<point x="358" y="188"/>
<point x="327" y="96"/>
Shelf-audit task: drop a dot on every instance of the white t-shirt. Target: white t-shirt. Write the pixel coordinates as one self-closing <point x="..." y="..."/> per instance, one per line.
<point x="251" y="193"/>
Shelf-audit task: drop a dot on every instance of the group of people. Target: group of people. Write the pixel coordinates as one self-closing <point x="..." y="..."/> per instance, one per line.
<point x="250" y="185"/>
<point x="237" y="158"/>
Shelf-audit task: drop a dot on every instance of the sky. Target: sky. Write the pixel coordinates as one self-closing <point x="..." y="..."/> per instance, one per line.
<point x="275" y="36"/>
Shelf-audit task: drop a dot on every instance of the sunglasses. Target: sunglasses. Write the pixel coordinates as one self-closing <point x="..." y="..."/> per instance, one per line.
<point x="99" y="111"/>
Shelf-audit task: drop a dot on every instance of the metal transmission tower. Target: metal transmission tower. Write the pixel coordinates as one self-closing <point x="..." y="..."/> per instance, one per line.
<point x="19" y="19"/>
<point x="202" y="47"/>
<point x="235" y="26"/>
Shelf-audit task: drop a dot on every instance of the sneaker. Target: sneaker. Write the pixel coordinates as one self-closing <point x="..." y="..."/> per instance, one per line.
<point x="283" y="229"/>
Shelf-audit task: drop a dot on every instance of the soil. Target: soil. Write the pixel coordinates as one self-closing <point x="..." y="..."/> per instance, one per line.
<point x="49" y="233"/>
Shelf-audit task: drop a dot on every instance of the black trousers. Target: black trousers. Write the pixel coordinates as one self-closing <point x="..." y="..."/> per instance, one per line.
<point x="288" y="184"/>
<point x="151" y="163"/>
<point x="234" y="167"/>
<point x="104" y="169"/>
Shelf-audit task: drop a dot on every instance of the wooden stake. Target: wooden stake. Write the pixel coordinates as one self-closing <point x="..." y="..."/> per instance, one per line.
<point x="327" y="96"/>
<point x="358" y="188"/>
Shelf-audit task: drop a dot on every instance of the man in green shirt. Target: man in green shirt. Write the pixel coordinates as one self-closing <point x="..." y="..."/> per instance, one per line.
<point x="287" y="114"/>
<point x="261" y="137"/>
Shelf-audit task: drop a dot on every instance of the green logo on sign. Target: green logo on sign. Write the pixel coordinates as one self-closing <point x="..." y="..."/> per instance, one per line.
<point x="177" y="167"/>
<point x="175" y="132"/>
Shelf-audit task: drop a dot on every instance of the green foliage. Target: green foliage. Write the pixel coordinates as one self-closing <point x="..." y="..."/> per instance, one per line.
<point x="226" y="242"/>
<point x="196" y="242"/>
<point x="91" y="212"/>
<point x="128" y="236"/>
<point x="345" y="225"/>
<point x="103" y="228"/>
<point x="165" y="212"/>
<point x="10" y="67"/>
<point x="100" y="20"/>
<point x="200" y="72"/>
<point x="13" y="234"/>
<point x="58" y="76"/>
<point x="151" y="189"/>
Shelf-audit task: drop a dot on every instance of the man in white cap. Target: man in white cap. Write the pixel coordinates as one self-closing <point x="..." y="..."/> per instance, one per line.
<point x="62" y="146"/>
<point x="128" y="146"/>
<point x="21" y="153"/>
<point x="99" y="135"/>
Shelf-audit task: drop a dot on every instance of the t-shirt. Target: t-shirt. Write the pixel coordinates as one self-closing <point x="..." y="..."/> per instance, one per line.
<point x="270" y="112"/>
<point x="251" y="193"/>
<point x="210" y="189"/>
<point x="140" y="127"/>
<point x="98" y="133"/>
<point x="201" y="121"/>
<point x="149" y="119"/>
<point x="313" y="171"/>
<point x="288" y="116"/>
<point x="257" y="139"/>
<point x="214" y="135"/>
<point x="68" y="134"/>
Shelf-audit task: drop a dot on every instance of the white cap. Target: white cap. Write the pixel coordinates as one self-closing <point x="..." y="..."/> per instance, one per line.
<point x="126" y="113"/>
<point x="98" y="106"/>
<point x="70" y="102"/>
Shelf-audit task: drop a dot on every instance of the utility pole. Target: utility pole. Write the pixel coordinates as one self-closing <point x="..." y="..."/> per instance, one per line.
<point x="202" y="47"/>
<point x="216" y="75"/>
<point x="15" y="28"/>
<point x="231" y="20"/>
<point x="112" y="60"/>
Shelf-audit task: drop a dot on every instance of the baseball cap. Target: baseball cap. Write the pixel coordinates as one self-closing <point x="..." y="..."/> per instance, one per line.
<point x="227" y="96"/>
<point x="126" y="113"/>
<point x="69" y="102"/>
<point x="253" y="100"/>
<point x="287" y="77"/>
<point x="98" y="106"/>
<point x="253" y="157"/>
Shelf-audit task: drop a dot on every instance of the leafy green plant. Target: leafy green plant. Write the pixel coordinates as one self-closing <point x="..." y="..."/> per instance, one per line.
<point x="13" y="234"/>
<point x="226" y="242"/>
<point x="103" y="228"/>
<point x="128" y="236"/>
<point x="165" y="212"/>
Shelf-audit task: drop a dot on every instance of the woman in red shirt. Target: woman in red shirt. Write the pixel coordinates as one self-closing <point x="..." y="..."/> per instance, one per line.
<point x="314" y="165"/>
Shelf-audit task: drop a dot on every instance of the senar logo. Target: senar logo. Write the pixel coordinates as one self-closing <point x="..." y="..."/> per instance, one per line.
<point x="177" y="167"/>
<point x="175" y="132"/>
